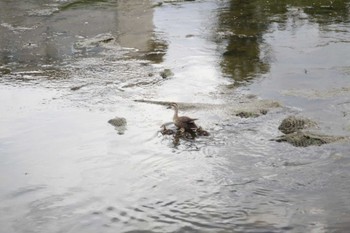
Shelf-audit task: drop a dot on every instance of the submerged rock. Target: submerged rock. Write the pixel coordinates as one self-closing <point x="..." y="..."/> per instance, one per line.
<point x="75" y="88"/>
<point x="252" y="114"/>
<point x="293" y="124"/>
<point x="244" y="114"/>
<point x="166" y="73"/>
<point x="304" y="139"/>
<point x="294" y="134"/>
<point x="5" y="70"/>
<point x="119" y="123"/>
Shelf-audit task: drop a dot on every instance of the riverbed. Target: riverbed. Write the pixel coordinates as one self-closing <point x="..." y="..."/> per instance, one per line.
<point x="68" y="67"/>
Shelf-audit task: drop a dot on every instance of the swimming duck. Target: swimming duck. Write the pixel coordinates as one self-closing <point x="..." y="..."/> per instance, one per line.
<point x="183" y="122"/>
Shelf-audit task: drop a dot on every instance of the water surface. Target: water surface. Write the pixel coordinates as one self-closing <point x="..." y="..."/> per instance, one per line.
<point x="73" y="65"/>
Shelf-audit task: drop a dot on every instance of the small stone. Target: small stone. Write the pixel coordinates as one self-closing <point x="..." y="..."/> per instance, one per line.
<point x="107" y="40"/>
<point x="244" y="114"/>
<point x="166" y="73"/>
<point x="115" y="219"/>
<point x="110" y="208"/>
<point x="263" y="111"/>
<point x="117" y="121"/>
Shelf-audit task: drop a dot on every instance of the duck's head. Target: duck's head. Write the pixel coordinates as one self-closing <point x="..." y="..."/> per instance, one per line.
<point x="173" y="106"/>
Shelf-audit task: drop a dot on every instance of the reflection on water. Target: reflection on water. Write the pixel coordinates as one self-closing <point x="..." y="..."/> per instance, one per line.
<point x="40" y="34"/>
<point x="241" y="27"/>
<point x="65" y="169"/>
<point x="243" y="24"/>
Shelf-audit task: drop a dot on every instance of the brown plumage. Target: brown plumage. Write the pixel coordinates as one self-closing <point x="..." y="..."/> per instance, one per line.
<point x="184" y="122"/>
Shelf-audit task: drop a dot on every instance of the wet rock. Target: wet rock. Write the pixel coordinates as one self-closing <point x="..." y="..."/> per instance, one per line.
<point x="293" y="124"/>
<point x="244" y="114"/>
<point x="305" y="139"/>
<point x="75" y="88"/>
<point x="107" y="40"/>
<point x="166" y="73"/>
<point x="157" y="4"/>
<point x="246" y="105"/>
<point x="5" y="71"/>
<point x="140" y="83"/>
<point x="104" y="40"/>
<point x="119" y="123"/>
<point x="247" y="114"/>
<point x="263" y="111"/>
<point x="294" y="134"/>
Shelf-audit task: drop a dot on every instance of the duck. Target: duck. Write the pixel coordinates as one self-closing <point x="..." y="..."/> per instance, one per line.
<point x="183" y="122"/>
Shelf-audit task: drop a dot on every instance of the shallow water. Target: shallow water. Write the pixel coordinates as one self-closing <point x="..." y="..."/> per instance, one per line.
<point x="65" y="169"/>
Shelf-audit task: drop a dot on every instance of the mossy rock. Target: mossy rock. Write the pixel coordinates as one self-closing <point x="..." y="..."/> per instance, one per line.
<point x="5" y="70"/>
<point x="293" y="124"/>
<point x="244" y="114"/>
<point x="305" y="139"/>
<point x="247" y="114"/>
<point x="117" y="121"/>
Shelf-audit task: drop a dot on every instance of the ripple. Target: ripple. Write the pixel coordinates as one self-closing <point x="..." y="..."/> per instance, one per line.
<point x="43" y="12"/>
<point x="27" y="190"/>
<point x="210" y="151"/>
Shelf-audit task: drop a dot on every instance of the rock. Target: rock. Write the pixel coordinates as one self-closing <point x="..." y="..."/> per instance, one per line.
<point x="263" y="111"/>
<point x="248" y="114"/>
<point x="304" y="139"/>
<point x="75" y="88"/>
<point x="166" y="73"/>
<point x="5" y="70"/>
<point x="244" y="114"/>
<point x="157" y="4"/>
<point x="293" y="124"/>
<point x="293" y="129"/>
<point x="107" y="40"/>
<point x="119" y="123"/>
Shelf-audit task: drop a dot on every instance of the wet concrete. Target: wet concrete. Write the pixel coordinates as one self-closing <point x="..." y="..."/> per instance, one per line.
<point x="68" y="67"/>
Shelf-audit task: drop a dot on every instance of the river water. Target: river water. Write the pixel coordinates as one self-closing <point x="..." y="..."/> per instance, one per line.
<point x="67" y="67"/>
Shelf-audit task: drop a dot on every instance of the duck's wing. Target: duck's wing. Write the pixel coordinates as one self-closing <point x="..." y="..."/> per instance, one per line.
<point x="187" y="119"/>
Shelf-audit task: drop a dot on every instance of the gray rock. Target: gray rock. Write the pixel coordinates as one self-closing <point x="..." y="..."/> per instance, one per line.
<point x="293" y="124"/>
<point x="119" y="123"/>
<point x="166" y="73"/>
<point x="305" y="139"/>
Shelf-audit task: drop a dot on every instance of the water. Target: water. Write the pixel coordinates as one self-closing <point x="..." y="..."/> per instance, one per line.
<point x="65" y="169"/>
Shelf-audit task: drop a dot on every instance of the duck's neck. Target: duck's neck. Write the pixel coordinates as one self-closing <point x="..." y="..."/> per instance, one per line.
<point x="175" y="114"/>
